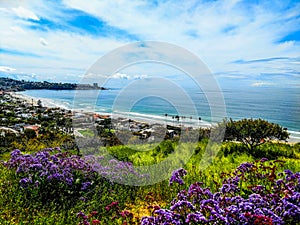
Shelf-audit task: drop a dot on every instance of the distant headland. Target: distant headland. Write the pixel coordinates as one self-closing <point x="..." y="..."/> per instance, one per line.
<point x="8" y="84"/>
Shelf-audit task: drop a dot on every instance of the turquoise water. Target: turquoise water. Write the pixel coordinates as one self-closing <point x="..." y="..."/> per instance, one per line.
<point x="279" y="105"/>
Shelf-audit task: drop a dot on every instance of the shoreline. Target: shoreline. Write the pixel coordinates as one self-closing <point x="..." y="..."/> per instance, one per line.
<point x="46" y="102"/>
<point x="137" y="117"/>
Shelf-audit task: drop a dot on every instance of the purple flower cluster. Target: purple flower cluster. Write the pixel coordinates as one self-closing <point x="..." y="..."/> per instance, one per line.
<point x="44" y="168"/>
<point x="52" y="167"/>
<point x="116" y="171"/>
<point x="177" y="176"/>
<point x="83" y="217"/>
<point x="241" y="199"/>
<point x="25" y="182"/>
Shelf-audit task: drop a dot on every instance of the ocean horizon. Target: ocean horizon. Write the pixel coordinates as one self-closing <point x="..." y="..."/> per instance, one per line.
<point x="277" y="105"/>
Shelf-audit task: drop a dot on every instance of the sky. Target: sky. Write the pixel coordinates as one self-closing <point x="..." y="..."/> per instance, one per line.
<point x="254" y="43"/>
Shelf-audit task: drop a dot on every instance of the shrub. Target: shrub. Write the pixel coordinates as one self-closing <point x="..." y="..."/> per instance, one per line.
<point x="46" y="177"/>
<point x="253" y="194"/>
<point x="61" y="177"/>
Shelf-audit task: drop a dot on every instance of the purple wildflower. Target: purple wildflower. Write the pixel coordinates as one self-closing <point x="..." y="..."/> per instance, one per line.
<point x="258" y="189"/>
<point x="24" y="182"/>
<point x="37" y="166"/>
<point x="243" y="168"/>
<point x="177" y="176"/>
<point x="182" y="205"/>
<point x="15" y="153"/>
<point x="86" y="185"/>
<point x="263" y="160"/>
<point x="149" y="220"/>
<point x="196" y="217"/>
<point x="81" y="214"/>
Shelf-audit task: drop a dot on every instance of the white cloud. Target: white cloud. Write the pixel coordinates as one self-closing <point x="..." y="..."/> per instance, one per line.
<point x="4" y="10"/>
<point x="64" y="49"/>
<point x="17" y="29"/>
<point x="255" y="29"/>
<point x="260" y="84"/>
<point x="219" y="32"/>
<point x="120" y="76"/>
<point x="25" y="13"/>
<point x="6" y="69"/>
<point x="127" y="76"/>
<point x="43" y="42"/>
<point x="232" y="76"/>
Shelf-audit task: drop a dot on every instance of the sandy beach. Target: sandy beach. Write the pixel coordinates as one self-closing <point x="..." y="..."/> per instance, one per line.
<point x="150" y="119"/>
<point x="45" y="102"/>
<point x="139" y="118"/>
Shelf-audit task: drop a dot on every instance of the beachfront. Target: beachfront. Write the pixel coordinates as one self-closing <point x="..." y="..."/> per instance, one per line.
<point x="151" y="129"/>
<point x="31" y="113"/>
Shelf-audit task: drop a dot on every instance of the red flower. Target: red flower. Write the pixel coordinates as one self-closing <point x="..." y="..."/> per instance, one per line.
<point x="94" y="213"/>
<point x="94" y="222"/>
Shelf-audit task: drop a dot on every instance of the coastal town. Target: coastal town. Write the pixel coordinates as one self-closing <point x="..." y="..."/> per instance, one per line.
<point x="25" y="116"/>
<point x="22" y="116"/>
<point x="28" y="117"/>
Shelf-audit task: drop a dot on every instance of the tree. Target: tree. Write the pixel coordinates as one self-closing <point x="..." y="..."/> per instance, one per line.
<point x="29" y="133"/>
<point x="39" y="103"/>
<point x="177" y="118"/>
<point x="254" y="132"/>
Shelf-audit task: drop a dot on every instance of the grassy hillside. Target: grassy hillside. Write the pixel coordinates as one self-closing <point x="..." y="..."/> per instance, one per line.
<point x="56" y="187"/>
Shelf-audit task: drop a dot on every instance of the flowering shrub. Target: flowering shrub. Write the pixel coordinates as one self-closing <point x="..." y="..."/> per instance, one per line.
<point x="51" y="175"/>
<point x="116" y="171"/>
<point x="84" y="219"/>
<point x="177" y="176"/>
<point x="253" y="194"/>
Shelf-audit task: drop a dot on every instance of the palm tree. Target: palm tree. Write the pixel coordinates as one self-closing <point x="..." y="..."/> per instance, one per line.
<point x="39" y="102"/>
<point x="177" y="118"/>
<point x="181" y="121"/>
<point x="166" y="115"/>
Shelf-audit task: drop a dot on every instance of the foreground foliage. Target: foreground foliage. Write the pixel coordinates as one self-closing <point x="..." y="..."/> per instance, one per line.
<point x="253" y="194"/>
<point x="53" y="186"/>
<point x="49" y="177"/>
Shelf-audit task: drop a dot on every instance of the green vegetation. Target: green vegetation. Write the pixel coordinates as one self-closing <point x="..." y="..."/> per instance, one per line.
<point x="254" y="132"/>
<point x="30" y="127"/>
<point x="86" y="133"/>
<point x="46" y="184"/>
<point x="9" y="84"/>
<point x="25" y="206"/>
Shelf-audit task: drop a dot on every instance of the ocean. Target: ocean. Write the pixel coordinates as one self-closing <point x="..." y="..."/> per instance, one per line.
<point x="275" y="104"/>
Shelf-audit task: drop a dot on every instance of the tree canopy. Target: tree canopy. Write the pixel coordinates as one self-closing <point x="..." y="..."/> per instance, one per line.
<point x="254" y="132"/>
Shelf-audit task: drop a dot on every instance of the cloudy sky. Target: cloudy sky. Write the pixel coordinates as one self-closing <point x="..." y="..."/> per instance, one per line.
<point x="252" y="42"/>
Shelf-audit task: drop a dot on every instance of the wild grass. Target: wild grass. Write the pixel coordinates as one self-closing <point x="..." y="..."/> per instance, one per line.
<point x="113" y="203"/>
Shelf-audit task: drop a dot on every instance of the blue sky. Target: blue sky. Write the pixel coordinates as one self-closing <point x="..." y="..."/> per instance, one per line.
<point x="256" y="43"/>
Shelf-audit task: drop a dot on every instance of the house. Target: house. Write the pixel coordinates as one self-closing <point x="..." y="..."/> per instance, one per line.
<point x="171" y="133"/>
<point x="33" y="127"/>
<point x="5" y="130"/>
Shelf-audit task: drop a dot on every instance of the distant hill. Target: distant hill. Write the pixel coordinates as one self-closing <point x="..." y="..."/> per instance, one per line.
<point x="8" y="84"/>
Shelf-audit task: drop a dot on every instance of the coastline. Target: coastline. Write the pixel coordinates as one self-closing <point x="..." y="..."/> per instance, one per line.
<point x="137" y="117"/>
<point x="45" y="102"/>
